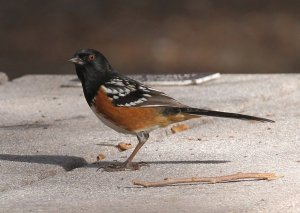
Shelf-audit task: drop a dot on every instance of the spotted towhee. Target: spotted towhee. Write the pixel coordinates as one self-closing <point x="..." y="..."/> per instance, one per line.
<point x="129" y="106"/>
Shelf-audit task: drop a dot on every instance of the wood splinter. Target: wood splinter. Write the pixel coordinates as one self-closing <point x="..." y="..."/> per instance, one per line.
<point x="211" y="180"/>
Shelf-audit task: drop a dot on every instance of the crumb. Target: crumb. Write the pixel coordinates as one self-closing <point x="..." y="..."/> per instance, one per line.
<point x="100" y="157"/>
<point x="124" y="146"/>
<point x="179" y="128"/>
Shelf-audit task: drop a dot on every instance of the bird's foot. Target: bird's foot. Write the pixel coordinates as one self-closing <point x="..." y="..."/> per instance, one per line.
<point x="124" y="166"/>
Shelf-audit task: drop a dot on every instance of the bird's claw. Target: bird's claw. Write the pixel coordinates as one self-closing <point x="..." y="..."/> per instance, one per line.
<point x="124" y="166"/>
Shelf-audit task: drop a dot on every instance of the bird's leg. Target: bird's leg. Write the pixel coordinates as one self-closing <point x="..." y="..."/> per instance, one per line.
<point x="142" y="137"/>
<point x="128" y="164"/>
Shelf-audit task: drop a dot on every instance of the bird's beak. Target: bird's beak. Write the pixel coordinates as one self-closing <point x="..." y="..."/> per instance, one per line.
<point x="76" y="60"/>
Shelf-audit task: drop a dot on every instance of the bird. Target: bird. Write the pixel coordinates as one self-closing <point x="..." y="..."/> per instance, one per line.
<point x="130" y="107"/>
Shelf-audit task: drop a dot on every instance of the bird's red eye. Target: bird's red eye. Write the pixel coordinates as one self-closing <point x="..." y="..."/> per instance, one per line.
<point x="92" y="57"/>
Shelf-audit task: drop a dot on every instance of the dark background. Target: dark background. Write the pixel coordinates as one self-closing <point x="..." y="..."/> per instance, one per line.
<point x="162" y="36"/>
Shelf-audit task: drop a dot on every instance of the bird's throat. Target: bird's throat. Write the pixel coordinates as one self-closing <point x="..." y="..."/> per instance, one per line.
<point x="91" y="81"/>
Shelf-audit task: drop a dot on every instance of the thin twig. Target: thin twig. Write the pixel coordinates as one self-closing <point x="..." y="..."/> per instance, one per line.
<point x="211" y="180"/>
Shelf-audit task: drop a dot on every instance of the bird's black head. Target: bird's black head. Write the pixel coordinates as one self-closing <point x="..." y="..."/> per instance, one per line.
<point x="92" y="69"/>
<point x="91" y="60"/>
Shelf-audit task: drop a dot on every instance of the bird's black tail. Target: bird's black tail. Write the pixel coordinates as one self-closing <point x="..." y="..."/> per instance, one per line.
<point x="195" y="111"/>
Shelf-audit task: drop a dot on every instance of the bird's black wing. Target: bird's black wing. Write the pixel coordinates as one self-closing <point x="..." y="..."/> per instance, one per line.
<point x="124" y="91"/>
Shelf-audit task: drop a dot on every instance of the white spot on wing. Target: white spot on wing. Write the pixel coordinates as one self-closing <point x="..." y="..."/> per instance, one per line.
<point x="106" y="90"/>
<point x="114" y="91"/>
<point x="119" y="84"/>
<point x="120" y="90"/>
<point x="132" y="87"/>
<point x="127" y="90"/>
<point x="139" y="101"/>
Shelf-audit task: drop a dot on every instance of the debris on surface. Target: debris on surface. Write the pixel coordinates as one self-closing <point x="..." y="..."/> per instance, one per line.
<point x="179" y="128"/>
<point x="212" y="180"/>
<point x="100" y="157"/>
<point x="124" y="146"/>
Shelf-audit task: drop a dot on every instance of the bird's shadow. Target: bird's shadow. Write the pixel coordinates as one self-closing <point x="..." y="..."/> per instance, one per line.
<point x="67" y="162"/>
<point x="104" y="164"/>
<point x="72" y="162"/>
